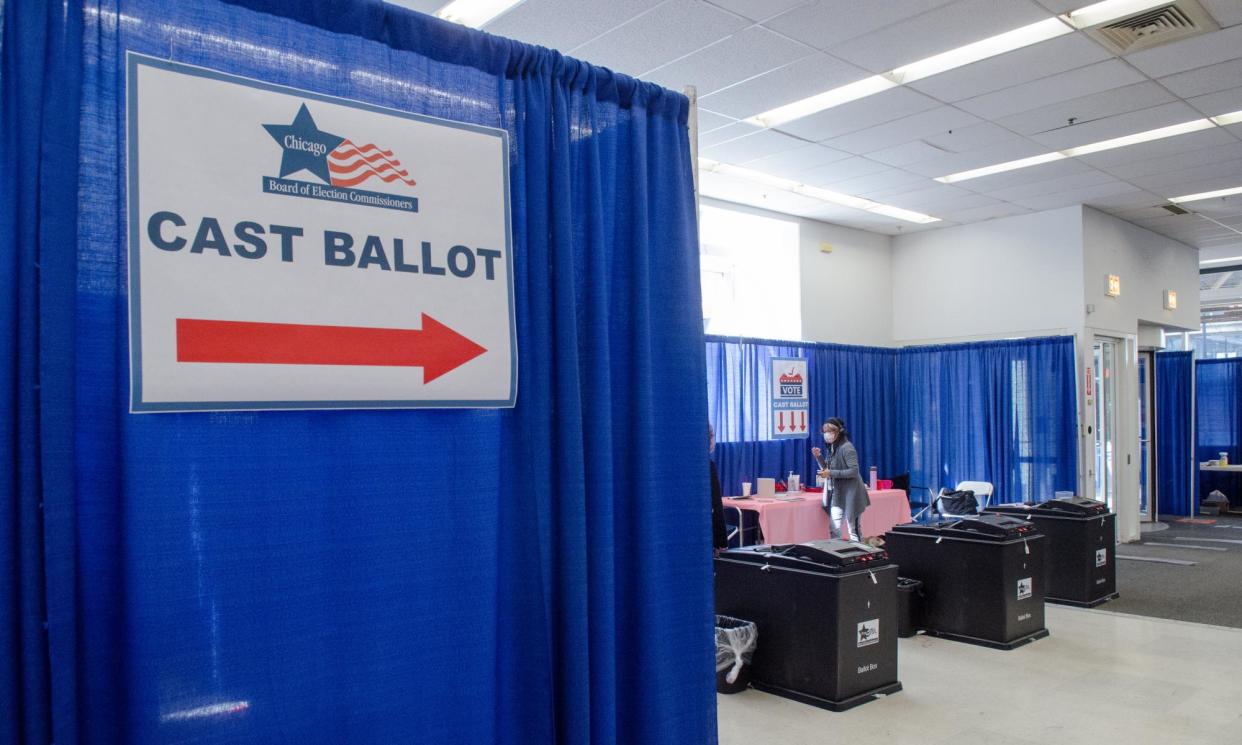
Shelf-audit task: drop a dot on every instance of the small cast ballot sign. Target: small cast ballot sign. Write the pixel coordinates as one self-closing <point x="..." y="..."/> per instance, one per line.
<point x="790" y="402"/>
<point x="291" y="250"/>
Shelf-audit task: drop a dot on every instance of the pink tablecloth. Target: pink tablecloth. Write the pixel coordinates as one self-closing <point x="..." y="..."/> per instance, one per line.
<point x="805" y="519"/>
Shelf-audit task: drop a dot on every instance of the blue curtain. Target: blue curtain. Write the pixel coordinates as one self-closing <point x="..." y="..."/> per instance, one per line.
<point x="1175" y="461"/>
<point x="1218" y="423"/>
<point x="850" y="382"/>
<point x="534" y="575"/>
<point x="40" y="70"/>
<point x="1002" y="412"/>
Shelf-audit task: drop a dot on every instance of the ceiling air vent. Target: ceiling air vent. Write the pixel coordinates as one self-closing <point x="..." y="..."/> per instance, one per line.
<point x="1151" y="28"/>
<point x="1173" y="208"/>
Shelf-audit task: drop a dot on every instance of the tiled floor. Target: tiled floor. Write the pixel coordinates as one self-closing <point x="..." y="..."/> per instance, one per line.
<point x="1100" y="678"/>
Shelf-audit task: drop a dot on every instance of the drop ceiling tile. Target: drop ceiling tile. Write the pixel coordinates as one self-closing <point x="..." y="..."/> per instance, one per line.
<point x="1188" y="54"/>
<point x="1159" y="148"/>
<point x="1074" y="182"/>
<point x="894" y="103"/>
<point x="1015" y="68"/>
<point x="760" y="10"/>
<point x="864" y="186"/>
<point x="961" y="22"/>
<point x="1226" y="12"/>
<point x="1205" y="79"/>
<point x="757" y="145"/>
<point x="1063" y="6"/>
<point x="709" y="120"/>
<point x="667" y="32"/>
<point x="1187" y="180"/>
<point x="732" y="189"/>
<point x="1116" y="126"/>
<point x="1078" y="196"/>
<point x="974" y="137"/>
<point x="979" y="214"/>
<point x="792" y="163"/>
<point x="910" y="152"/>
<point x="948" y="163"/>
<point x="793" y="82"/>
<point x="968" y="202"/>
<point x="723" y="134"/>
<point x="744" y="55"/>
<point x="928" y="123"/>
<point x="928" y="195"/>
<point x="841" y="171"/>
<point x="1066" y="86"/>
<point x="1221" y="102"/>
<point x="1186" y="159"/>
<point x="561" y="24"/>
<point x="1088" y="109"/>
<point x="827" y="23"/>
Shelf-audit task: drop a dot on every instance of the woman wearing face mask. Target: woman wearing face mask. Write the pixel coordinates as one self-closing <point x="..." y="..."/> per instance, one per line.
<point x="845" y="494"/>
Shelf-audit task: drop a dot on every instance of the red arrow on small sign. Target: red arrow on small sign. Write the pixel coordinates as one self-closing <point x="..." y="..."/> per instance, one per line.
<point x="781" y="427"/>
<point x="435" y="347"/>
<point x="803" y="427"/>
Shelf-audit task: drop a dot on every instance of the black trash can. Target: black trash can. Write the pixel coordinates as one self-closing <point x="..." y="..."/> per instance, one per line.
<point x="909" y="606"/>
<point x="827" y="611"/>
<point x="1080" y="561"/>
<point x="735" y="646"/>
<point x="983" y="577"/>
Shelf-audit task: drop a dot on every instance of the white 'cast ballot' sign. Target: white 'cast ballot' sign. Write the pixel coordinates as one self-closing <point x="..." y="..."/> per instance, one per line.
<point x="291" y="250"/>
<point x="790" y="398"/>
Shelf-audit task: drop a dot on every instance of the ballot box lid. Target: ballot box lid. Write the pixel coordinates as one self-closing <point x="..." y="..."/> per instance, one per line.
<point x="1079" y="507"/>
<point x="829" y="556"/>
<point x="985" y="527"/>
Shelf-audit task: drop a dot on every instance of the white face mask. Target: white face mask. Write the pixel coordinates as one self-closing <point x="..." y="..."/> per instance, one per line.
<point x="827" y="438"/>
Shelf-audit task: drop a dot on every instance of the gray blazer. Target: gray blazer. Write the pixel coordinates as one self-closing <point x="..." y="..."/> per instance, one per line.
<point x="849" y="491"/>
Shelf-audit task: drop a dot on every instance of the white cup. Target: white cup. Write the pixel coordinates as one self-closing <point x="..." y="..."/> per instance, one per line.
<point x="745" y="488"/>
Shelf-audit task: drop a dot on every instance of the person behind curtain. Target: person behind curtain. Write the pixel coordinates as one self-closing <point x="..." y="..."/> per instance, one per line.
<point x="845" y="494"/>
<point x="720" y="539"/>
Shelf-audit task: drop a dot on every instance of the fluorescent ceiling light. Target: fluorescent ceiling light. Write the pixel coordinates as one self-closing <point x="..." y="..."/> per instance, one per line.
<point x="821" y="101"/>
<point x="1134" y="139"/>
<point x="824" y="195"/>
<point x="1012" y="165"/>
<point x="1225" y="120"/>
<point x="1109" y="10"/>
<point x="476" y="13"/>
<point x="1221" y="261"/>
<point x="1094" y="147"/>
<point x="980" y="50"/>
<point x="1206" y="195"/>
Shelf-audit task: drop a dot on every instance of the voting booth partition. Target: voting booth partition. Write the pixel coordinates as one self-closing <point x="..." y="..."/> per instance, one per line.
<point x="233" y="227"/>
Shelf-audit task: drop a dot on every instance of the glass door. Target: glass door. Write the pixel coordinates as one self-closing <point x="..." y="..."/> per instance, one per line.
<point x="1146" y="420"/>
<point x="1105" y="352"/>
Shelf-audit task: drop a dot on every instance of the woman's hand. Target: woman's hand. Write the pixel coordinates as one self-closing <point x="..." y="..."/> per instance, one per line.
<point x="816" y="452"/>
<point x="822" y="474"/>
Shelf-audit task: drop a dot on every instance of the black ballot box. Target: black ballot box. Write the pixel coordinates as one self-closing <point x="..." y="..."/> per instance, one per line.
<point x="1079" y="557"/>
<point x="983" y="577"/>
<point x="827" y="618"/>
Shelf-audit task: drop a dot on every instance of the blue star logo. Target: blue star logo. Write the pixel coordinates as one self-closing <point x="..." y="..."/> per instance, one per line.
<point x="305" y="145"/>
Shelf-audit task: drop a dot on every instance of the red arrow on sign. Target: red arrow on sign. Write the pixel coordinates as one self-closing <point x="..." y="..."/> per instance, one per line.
<point x="781" y="426"/>
<point x="435" y="347"/>
<point x="803" y="421"/>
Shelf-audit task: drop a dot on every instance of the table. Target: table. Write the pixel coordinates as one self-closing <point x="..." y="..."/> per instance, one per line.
<point x="1230" y="468"/>
<point x="1206" y="486"/>
<point x="803" y="519"/>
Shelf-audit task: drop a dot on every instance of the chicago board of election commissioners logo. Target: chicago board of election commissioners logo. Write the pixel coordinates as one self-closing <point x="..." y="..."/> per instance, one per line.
<point x="339" y="163"/>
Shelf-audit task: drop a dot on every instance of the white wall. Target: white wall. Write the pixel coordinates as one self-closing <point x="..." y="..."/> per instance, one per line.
<point x="846" y="295"/>
<point x="1015" y="276"/>
<point x="1148" y="264"/>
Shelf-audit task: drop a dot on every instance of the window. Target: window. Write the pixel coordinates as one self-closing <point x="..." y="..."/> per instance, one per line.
<point x="749" y="274"/>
